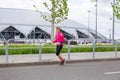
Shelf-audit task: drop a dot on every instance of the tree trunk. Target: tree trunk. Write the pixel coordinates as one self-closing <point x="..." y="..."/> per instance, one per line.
<point x="52" y="30"/>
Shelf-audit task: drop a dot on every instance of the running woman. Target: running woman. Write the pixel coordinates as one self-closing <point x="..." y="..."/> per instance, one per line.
<point x="59" y="41"/>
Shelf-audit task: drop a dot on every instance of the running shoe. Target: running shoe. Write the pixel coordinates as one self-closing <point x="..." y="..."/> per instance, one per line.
<point x="63" y="62"/>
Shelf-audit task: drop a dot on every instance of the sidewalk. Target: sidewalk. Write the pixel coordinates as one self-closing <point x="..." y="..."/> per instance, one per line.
<point x="52" y="57"/>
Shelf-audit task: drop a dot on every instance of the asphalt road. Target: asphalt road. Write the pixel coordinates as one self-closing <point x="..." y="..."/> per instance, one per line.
<point x="78" y="71"/>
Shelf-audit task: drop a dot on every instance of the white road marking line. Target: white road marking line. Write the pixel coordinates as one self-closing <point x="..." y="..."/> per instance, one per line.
<point x="118" y="72"/>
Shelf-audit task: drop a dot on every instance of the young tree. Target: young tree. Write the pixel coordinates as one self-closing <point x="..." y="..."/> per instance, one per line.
<point x="58" y="12"/>
<point x="116" y="9"/>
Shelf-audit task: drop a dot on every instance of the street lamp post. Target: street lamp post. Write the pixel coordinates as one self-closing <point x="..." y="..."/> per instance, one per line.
<point x="88" y="22"/>
<point x="113" y="25"/>
<point x="96" y="18"/>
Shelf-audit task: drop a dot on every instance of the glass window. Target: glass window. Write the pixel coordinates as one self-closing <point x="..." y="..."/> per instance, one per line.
<point x="67" y="35"/>
<point x="11" y="32"/>
<point x="81" y="35"/>
<point x="39" y="34"/>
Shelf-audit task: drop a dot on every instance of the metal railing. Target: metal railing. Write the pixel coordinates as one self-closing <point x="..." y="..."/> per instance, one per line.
<point x="94" y="42"/>
<point x="7" y="49"/>
<point x="114" y="43"/>
<point x="39" y="43"/>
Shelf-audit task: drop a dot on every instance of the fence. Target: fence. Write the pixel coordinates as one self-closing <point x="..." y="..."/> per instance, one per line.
<point x="7" y="48"/>
<point x="68" y="46"/>
<point x="94" y="43"/>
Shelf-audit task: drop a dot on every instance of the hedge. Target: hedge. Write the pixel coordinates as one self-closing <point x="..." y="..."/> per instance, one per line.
<point x="47" y="48"/>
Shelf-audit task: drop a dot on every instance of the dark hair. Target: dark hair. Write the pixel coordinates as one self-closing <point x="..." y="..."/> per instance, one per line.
<point x="57" y="27"/>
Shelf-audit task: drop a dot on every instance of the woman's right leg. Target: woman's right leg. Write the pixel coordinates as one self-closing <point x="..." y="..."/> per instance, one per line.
<point x="58" y="49"/>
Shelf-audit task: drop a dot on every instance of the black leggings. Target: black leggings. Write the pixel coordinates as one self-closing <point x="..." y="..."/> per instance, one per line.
<point x="58" y="49"/>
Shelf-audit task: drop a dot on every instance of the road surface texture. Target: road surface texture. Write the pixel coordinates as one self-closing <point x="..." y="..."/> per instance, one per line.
<point x="77" y="71"/>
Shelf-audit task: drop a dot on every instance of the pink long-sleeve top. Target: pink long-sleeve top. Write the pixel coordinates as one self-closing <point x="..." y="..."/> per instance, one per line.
<point x="59" y="38"/>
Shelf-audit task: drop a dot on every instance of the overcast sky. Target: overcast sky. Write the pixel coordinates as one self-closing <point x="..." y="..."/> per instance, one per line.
<point x="78" y="12"/>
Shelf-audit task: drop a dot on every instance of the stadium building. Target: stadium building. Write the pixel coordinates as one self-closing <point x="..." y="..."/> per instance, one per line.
<point x="21" y="23"/>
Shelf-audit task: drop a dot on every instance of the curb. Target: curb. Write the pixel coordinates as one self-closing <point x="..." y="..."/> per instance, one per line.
<point x="56" y="62"/>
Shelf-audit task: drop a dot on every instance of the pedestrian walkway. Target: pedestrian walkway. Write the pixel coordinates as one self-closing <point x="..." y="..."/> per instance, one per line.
<point x="52" y="57"/>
